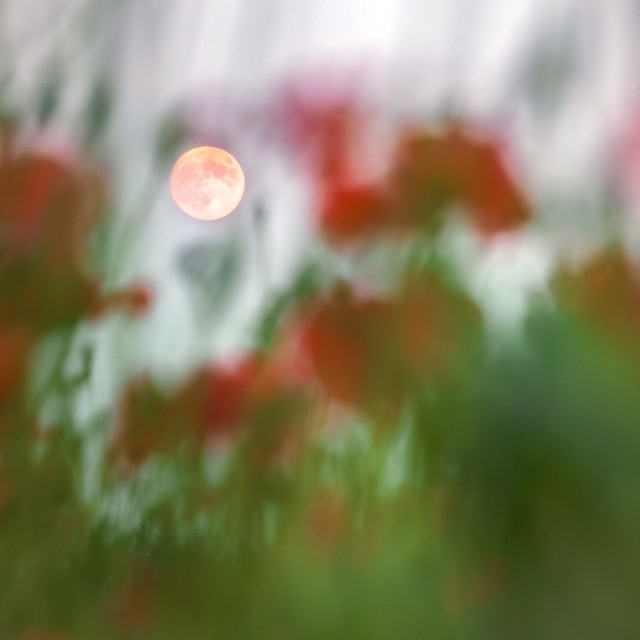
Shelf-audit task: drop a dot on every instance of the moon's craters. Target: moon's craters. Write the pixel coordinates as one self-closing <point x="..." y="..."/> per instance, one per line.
<point x="207" y="183"/>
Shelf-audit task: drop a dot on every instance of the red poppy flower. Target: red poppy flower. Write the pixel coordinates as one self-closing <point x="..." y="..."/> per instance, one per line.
<point x="434" y="170"/>
<point x="353" y="213"/>
<point x="366" y="352"/>
<point x="350" y="212"/>
<point x="30" y="185"/>
<point x="322" y="123"/>
<point x="229" y="395"/>
<point x="338" y="351"/>
<point x="424" y="174"/>
<point x="15" y="343"/>
<point x="494" y="201"/>
<point x="349" y="343"/>
<point x="146" y="423"/>
<point x="258" y="391"/>
<point x="215" y="403"/>
<point x="47" y="210"/>
<point x="606" y="293"/>
<point x="46" y="200"/>
<point x="435" y="324"/>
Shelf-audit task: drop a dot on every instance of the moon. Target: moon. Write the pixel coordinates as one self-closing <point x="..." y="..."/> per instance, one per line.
<point x="207" y="183"/>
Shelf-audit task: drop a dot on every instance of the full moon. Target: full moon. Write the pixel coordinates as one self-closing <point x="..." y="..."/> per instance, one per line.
<point x="207" y="183"/>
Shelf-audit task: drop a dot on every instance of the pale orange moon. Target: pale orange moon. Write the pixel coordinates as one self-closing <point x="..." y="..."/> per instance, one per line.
<point x="207" y="183"/>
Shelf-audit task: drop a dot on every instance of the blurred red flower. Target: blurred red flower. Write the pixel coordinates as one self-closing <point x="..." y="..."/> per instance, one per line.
<point x="229" y="398"/>
<point x="15" y="343"/>
<point x="48" y="210"/>
<point x="262" y="393"/>
<point x="215" y="404"/>
<point x="40" y="195"/>
<point x="431" y="171"/>
<point x="146" y="423"/>
<point x="345" y="339"/>
<point x="29" y="186"/>
<point x="354" y="213"/>
<point x="605" y="291"/>
<point x="366" y="351"/>
<point x="322" y="122"/>
<point x="436" y="325"/>
<point x="495" y="203"/>
<point x="434" y="170"/>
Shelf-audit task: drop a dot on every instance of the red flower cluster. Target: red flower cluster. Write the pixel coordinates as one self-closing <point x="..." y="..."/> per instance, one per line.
<point x="363" y="352"/>
<point x="30" y="185"/>
<point x="370" y="351"/>
<point x="215" y="405"/>
<point x="431" y="172"/>
<point x="48" y="210"/>
<point x="347" y="342"/>
<point x="321" y="123"/>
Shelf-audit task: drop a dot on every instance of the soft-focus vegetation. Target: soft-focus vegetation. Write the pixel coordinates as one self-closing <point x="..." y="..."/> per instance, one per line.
<point x="379" y="462"/>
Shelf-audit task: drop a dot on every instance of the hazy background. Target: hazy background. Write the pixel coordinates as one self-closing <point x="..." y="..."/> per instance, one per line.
<point x="555" y="79"/>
